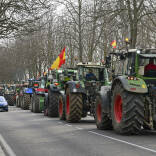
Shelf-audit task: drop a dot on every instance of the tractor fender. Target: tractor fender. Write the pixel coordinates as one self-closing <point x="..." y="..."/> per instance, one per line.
<point x="72" y="85"/>
<point x="136" y="86"/>
<point x="105" y="94"/>
<point x="54" y="88"/>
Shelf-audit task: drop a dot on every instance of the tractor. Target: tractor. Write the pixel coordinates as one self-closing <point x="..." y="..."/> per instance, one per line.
<point x="37" y="100"/>
<point x="56" y="89"/>
<point x="79" y="98"/>
<point x="27" y="93"/>
<point x="129" y="104"/>
<point x="10" y="94"/>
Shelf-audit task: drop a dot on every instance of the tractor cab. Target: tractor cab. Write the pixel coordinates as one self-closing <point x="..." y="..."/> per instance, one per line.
<point x="135" y="63"/>
<point x="93" y="72"/>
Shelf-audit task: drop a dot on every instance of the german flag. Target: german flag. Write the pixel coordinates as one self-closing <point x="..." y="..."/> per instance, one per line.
<point x="59" y="60"/>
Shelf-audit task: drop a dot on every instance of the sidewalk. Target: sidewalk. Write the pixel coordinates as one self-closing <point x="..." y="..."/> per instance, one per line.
<point x="1" y="152"/>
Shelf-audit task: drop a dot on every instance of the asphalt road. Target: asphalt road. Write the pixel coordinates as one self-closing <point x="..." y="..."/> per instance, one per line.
<point x="30" y="134"/>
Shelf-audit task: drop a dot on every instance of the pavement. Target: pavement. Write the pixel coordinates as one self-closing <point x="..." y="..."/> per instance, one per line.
<point x="1" y="152"/>
<point x="30" y="134"/>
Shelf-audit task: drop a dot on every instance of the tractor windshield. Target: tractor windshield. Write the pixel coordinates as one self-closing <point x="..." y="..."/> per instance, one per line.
<point x="147" y="65"/>
<point x="42" y="85"/>
<point x="96" y="74"/>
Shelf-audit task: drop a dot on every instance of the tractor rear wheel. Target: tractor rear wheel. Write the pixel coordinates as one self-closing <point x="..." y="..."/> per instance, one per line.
<point x="103" y="122"/>
<point x="53" y="104"/>
<point x="61" y="108"/>
<point x="26" y="101"/>
<point x="31" y="103"/>
<point x="36" y="104"/>
<point x="73" y="106"/>
<point x="127" y="111"/>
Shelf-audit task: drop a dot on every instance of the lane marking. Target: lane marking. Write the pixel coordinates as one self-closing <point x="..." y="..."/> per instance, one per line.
<point x="79" y="128"/>
<point x="6" y="148"/>
<point x="68" y="125"/>
<point x="60" y="122"/>
<point x="125" y="142"/>
<point x="41" y="119"/>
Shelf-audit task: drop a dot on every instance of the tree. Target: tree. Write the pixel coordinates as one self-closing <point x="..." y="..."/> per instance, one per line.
<point x="18" y="15"/>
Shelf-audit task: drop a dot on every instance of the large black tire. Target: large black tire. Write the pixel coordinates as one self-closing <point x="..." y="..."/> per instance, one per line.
<point x="74" y="106"/>
<point x="45" y="111"/>
<point x="53" y="99"/>
<point x="61" y="108"/>
<point x="103" y="122"/>
<point x="36" y="104"/>
<point x="31" y="103"/>
<point x="26" y="101"/>
<point x="127" y="111"/>
<point x="11" y="99"/>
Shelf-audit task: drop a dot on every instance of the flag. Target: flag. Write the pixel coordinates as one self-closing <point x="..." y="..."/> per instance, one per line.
<point x="59" y="60"/>
<point x="113" y="44"/>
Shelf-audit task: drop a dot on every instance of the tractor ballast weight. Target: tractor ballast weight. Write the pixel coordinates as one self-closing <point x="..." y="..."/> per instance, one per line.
<point x="75" y="87"/>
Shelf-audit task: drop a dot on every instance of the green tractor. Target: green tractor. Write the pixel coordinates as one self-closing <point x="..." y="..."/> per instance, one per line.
<point x="129" y="105"/>
<point x="80" y="95"/>
<point x="56" y="89"/>
<point x="37" y="99"/>
<point x="10" y="94"/>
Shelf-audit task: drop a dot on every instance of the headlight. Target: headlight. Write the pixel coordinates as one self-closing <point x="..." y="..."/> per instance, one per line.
<point x="74" y="90"/>
<point x="5" y="104"/>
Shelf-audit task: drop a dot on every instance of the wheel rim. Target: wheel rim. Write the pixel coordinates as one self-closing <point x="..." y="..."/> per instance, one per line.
<point x="118" y="108"/>
<point x="60" y="108"/>
<point x="99" y="112"/>
<point x="67" y="105"/>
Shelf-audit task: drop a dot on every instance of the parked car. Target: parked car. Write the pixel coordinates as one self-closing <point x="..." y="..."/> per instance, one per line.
<point x="3" y="104"/>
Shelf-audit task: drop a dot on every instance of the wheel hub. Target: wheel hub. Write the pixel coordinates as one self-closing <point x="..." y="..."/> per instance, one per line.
<point x="118" y="108"/>
<point x="99" y="112"/>
<point x="60" y="108"/>
<point x="67" y="105"/>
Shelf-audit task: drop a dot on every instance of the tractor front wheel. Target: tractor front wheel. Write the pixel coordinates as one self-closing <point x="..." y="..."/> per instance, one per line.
<point x="36" y="104"/>
<point x="103" y="122"/>
<point x="53" y="104"/>
<point x="61" y="108"/>
<point x="73" y="106"/>
<point x="127" y="111"/>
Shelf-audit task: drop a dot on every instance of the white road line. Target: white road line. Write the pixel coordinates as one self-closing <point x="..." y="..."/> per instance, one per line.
<point x="41" y="119"/>
<point x="7" y="149"/>
<point x="68" y="125"/>
<point x="125" y="142"/>
<point x="60" y="122"/>
<point x="79" y="128"/>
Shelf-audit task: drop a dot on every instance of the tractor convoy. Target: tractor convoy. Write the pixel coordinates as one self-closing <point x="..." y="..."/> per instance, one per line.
<point x="120" y="94"/>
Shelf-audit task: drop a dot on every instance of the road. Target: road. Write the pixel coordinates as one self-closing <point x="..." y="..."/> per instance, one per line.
<point x="30" y="134"/>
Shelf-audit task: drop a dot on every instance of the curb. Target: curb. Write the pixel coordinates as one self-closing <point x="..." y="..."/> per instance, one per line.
<point x="5" y="147"/>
